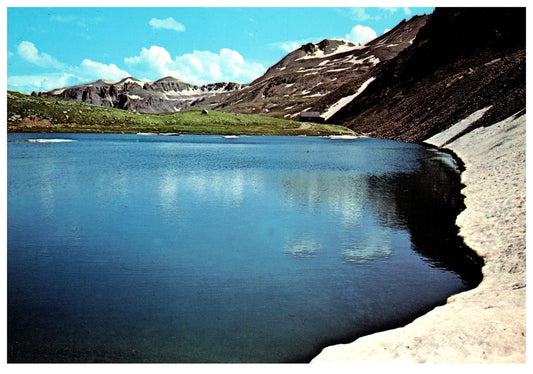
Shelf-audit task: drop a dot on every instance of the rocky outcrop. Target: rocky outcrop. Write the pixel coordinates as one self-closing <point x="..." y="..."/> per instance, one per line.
<point x="408" y="84"/>
<point x="312" y="78"/>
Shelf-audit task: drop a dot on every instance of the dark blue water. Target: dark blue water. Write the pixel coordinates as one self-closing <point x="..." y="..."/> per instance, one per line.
<point x="128" y="248"/>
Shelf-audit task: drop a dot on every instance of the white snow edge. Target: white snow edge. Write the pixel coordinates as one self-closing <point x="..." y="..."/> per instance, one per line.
<point x="345" y="100"/>
<point x="445" y="136"/>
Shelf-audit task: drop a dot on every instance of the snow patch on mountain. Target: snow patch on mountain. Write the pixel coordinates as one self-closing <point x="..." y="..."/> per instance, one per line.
<point x="345" y="100"/>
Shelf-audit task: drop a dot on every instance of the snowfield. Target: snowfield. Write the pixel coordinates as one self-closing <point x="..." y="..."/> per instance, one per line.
<point x="345" y="100"/>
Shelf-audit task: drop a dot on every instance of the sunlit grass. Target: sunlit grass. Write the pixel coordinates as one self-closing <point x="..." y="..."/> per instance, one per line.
<point x="55" y="115"/>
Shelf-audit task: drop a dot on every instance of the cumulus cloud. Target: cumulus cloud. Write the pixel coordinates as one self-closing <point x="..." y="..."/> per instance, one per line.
<point x="361" y="34"/>
<point x="168" y="24"/>
<point x="41" y="82"/>
<point x="198" y="67"/>
<point x="30" y="53"/>
<point x="288" y="46"/>
<point x="64" y="75"/>
<point x="92" y="70"/>
<point x="153" y="62"/>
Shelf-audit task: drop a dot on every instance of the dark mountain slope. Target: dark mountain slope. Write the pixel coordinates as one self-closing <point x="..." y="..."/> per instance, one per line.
<point x="461" y="61"/>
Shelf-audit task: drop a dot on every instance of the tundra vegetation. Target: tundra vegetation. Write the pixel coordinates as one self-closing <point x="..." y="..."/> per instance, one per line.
<point x="27" y="113"/>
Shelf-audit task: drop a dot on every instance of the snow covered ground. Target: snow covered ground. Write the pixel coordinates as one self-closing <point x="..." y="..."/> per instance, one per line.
<point x="444" y="137"/>
<point x="345" y="100"/>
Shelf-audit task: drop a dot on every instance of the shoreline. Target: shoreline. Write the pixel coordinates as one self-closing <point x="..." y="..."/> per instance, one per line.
<point x="488" y="323"/>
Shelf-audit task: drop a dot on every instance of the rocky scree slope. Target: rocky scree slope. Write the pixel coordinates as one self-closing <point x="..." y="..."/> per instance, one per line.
<point x="162" y="96"/>
<point x="462" y="61"/>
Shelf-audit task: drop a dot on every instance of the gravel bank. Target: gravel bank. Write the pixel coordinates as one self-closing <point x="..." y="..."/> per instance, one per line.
<point x="486" y="324"/>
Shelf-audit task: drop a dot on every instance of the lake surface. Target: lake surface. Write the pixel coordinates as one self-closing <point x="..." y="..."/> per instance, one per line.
<point x="129" y="248"/>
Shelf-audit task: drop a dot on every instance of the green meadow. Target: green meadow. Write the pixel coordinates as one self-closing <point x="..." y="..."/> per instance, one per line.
<point x="27" y="113"/>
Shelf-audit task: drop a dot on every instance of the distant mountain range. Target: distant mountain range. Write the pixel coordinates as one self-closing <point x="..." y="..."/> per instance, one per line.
<point x="415" y="80"/>
<point x="162" y="96"/>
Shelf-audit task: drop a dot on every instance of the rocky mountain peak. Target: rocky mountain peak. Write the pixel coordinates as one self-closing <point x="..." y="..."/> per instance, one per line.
<point x="128" y="80"/>
<point x="309" y="48"/>
<point x="167" y="79"/>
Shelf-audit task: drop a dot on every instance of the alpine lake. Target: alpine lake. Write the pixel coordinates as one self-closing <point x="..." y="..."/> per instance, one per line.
<point x="200" y="248"/>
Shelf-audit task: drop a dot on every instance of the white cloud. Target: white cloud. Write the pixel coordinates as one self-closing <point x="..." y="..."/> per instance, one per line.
<point x="198" y="67"/>
<point x="168" y="24"/>
<point x="375" y="14"/>
<point x="92" y="70"/>
<point x="361" y="34"/>
<point x="30" y="53"/>
<point x="66" y="19"/>
<point x="390" y="9"/>
<point x="153" y="61"/>
<point x="406" y="10"/>
<point x="41" y="82"/>
<point x="63" y="75"/>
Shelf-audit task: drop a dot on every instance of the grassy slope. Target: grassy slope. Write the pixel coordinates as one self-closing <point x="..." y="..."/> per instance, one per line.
<point x="37" y="114"/>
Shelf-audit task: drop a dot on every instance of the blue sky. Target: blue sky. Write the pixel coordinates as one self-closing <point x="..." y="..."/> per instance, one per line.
<point x="55" y="47"/>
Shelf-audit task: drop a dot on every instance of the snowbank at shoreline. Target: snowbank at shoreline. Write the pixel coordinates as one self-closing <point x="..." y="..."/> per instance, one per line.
<point x="486" y="324"/>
